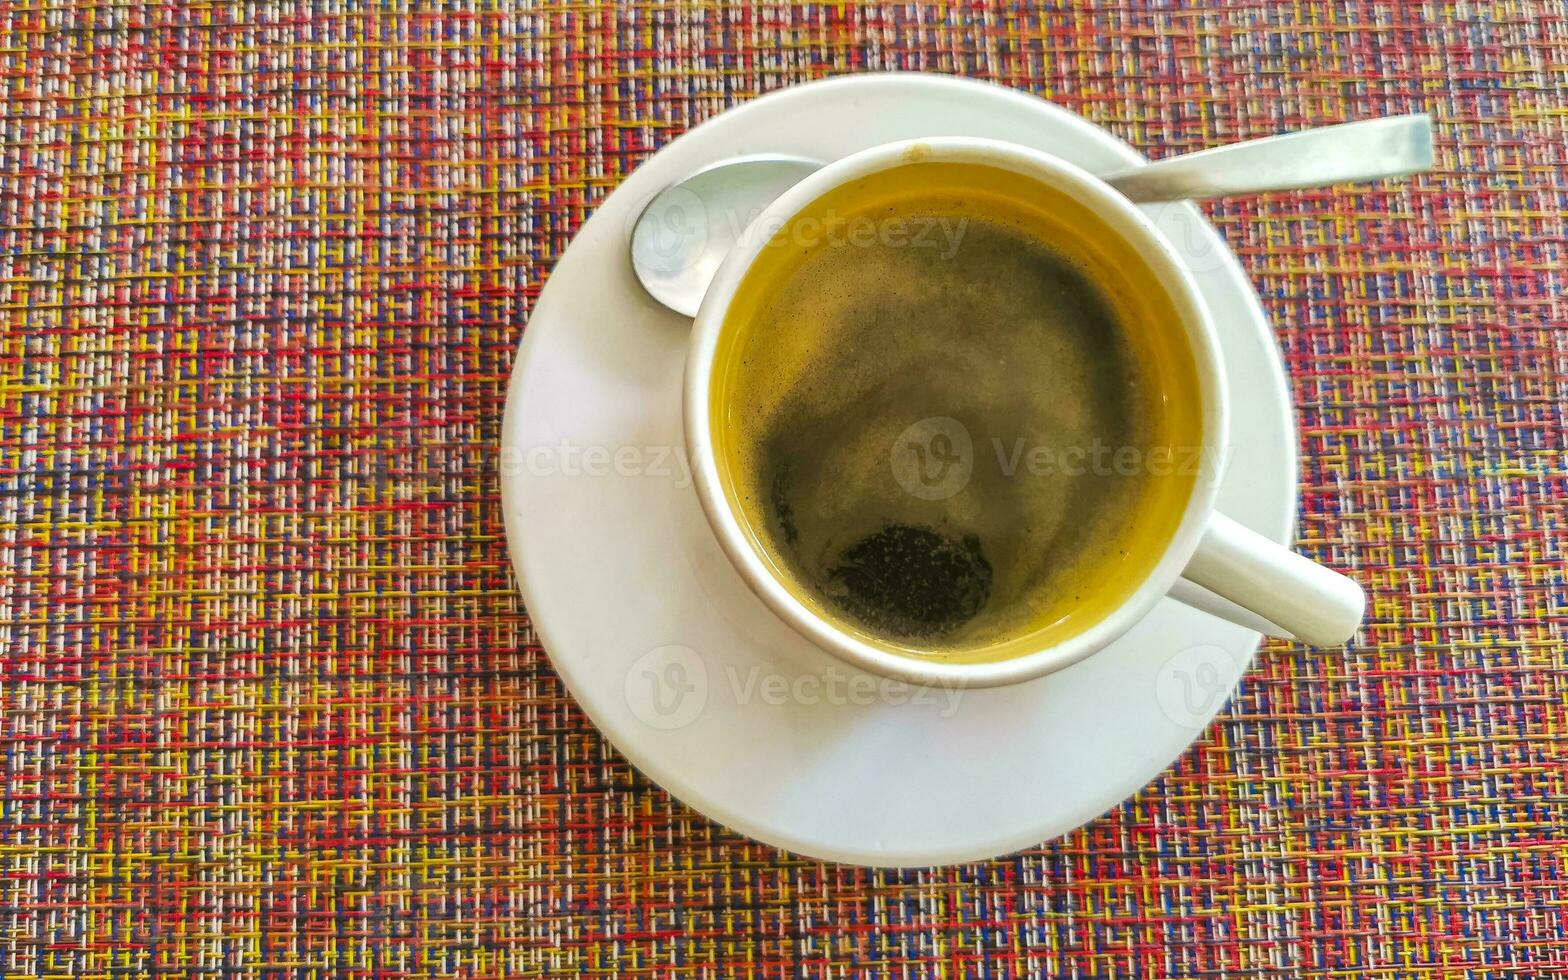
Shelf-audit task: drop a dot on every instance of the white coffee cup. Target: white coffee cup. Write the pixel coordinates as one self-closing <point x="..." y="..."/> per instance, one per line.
<point x="1296" y="595"/>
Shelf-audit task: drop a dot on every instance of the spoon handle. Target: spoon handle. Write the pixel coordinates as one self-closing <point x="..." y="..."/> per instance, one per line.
<point x="1394" y="146"/>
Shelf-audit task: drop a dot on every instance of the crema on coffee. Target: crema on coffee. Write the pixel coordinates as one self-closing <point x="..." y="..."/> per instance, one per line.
<point x="955" y="412"/>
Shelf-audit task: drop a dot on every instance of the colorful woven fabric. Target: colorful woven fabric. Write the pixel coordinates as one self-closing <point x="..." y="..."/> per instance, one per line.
<point x="269" y="705"/>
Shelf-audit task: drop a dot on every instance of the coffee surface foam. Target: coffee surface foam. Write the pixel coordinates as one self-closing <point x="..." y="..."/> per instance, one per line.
<point x="890" y="397"/>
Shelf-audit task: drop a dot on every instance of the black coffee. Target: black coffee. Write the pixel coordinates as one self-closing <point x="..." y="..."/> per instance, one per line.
<point x="890" y="401"/>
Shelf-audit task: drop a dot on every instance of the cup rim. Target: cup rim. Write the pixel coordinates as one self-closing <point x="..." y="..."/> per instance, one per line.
<point x="1120" y="214"/>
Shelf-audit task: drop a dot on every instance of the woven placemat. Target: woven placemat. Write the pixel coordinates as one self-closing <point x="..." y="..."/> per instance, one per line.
<point x="269" y="705"/>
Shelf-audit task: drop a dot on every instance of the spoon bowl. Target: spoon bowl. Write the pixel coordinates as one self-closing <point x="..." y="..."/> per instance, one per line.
<point x="686" y="229"/>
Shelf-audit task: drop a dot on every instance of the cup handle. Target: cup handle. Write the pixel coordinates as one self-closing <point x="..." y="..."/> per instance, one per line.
<point x="1311" y="603"/>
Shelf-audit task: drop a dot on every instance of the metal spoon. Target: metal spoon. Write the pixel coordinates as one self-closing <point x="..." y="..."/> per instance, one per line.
<point x="686" y="230"/>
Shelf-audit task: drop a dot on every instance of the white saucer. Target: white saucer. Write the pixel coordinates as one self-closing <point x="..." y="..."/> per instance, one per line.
<point x="697" y="683"/>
